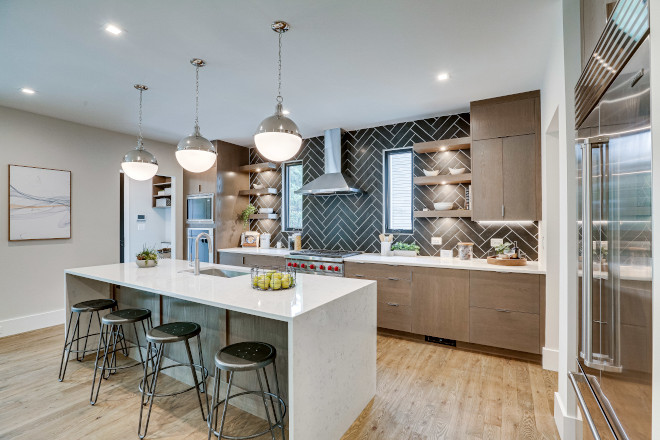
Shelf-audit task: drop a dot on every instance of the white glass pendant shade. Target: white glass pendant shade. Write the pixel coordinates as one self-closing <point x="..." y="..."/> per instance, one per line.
<point x="139" y="164"/>
<point x="195" y="153"/>
<point x="278" y="138"/>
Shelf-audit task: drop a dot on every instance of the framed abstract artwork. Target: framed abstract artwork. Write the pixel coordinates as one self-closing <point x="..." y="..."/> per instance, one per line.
<point x="39" y="203"/>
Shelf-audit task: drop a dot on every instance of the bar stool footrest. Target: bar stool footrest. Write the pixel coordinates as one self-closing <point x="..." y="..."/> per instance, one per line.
<point x="203" y="370"/>
<point x="277" y="424"/>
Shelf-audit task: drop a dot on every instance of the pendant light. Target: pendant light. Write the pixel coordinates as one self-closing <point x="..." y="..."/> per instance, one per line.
<point x="278" y="137"/>
<point x="139" y="164"/>
<point x="195" y="153"/>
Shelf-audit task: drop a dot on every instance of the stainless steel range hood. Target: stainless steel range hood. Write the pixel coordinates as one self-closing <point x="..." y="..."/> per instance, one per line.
<point x="332" y="182"/>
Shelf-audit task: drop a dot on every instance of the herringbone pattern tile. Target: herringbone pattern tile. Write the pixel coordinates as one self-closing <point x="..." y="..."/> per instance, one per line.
<point x="354" y="222"/>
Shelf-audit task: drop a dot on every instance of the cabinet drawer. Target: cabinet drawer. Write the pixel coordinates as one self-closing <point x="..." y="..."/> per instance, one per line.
<point x="395" y="291"/>
<point x="263" y="260"/>
<point x="511" y="330"/>
<point x="231" y="258"/>
<point x="374" y="271"/>
<point x="394" y="317"/>
<point x="509" y="291"/>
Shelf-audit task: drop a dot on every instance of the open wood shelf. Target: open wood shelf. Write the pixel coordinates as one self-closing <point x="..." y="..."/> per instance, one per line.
<point x="158" y="183"/>
<point x="163" y="184"/>
<point x="447" y="213"/>
<point x="258" y="167"/>
<point x="445" y="179"/>
<point x="443" y="145"/>
<point x="263" y="216"/>
<point x="158" y="196"/>
<point x="257" y="192"/>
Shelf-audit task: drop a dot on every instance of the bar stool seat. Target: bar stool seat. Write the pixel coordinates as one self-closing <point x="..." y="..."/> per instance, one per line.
<point x="112" y="336"/>
<point x="244" y="357"/>
<point x="173" y="332"/>
<point x="93" y="305"/>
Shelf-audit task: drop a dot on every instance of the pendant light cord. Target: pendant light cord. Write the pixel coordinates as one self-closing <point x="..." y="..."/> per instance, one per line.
<point x="197" y="98"/>
<point x="140" y="123"/>
<point x="279" y="69"/>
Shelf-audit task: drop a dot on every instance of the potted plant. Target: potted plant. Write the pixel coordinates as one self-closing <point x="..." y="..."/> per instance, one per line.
<point x="502" y="249"/>
<point x="246" y="213"/>
<point x="147" y="258"/>
<point x="405" y="249"/>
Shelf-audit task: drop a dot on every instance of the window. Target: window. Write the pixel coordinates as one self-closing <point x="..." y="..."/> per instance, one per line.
<point x="293" y="203"/>
<point x="398" y="191"/>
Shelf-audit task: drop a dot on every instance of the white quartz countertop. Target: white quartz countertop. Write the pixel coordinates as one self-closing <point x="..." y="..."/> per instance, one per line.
<point x="454" y="263"/>
<point x="170" y="278"/>
<point x="258" y="251"/>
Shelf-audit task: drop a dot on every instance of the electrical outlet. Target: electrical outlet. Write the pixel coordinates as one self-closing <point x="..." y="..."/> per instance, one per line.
<point x="496" y="242"/>
<point x="436" y="241"/>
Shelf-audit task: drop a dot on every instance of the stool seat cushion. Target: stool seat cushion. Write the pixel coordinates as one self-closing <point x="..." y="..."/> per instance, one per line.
<point x="126" y="316"/>
<point x="94" y="305"/>
<point x="173" y="332"/>
<point x="245" y="356"/>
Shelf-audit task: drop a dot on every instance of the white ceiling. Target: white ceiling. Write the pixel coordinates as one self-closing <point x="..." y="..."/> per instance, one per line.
<point x="350" y="64"/>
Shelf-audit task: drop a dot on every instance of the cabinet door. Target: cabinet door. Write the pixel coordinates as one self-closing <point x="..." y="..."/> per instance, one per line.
<point x="231" y="259"/>
<point x="500" y="117"/>
<point x="441" y="303"/>
<point x="487" y="185"/>
<point x="262" y="260"/>
<point x="519" y="158"/>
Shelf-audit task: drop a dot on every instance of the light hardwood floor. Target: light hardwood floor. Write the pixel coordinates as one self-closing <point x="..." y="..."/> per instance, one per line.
<point x="425" y="391"/>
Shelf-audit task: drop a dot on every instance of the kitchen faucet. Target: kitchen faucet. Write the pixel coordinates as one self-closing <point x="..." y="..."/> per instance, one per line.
<point x="208" y="238"/>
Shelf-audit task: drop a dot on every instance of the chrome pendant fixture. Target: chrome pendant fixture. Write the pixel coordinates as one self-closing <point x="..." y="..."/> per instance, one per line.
<point x="139" y="164"/>
<point x="278" y="138"/>
<point x="195" y="153"/>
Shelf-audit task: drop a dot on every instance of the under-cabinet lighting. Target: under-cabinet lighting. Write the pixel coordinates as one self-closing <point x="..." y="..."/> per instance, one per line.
<point x="443" y="183"/>
<point x="443" y="149"/>
<point x="28" y="91"/>
<point x="114" y="30"/>
<point x="505" y="222"/>
<point x="443" y="76"/>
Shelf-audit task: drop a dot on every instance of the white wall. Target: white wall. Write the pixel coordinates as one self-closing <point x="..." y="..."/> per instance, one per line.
<point x="32" y="273"/>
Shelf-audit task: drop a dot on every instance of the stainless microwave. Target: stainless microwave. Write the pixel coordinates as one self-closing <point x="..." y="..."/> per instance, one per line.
<point x="199" y="208"/>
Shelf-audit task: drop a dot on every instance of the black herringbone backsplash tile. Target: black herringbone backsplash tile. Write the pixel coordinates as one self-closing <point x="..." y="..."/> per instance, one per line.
<point x="354" y="222"/>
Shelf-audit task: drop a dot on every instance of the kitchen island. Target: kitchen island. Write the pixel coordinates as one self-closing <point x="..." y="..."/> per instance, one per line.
<point x="324" y="330"/>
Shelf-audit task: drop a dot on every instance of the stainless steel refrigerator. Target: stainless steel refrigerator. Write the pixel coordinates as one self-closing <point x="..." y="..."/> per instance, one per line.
<point x="613" y="377"/>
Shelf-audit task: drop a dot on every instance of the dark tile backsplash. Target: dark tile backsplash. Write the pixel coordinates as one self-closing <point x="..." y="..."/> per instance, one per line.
<point x="354" y="222"/>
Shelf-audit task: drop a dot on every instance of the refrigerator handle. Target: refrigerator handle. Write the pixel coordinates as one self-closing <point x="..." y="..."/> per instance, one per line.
<point x="587" y="262"/>
<point x="583" y="406"/>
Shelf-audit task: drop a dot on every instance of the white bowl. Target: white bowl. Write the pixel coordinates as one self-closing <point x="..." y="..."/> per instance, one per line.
<point x="456" y="170"/>
<point x="443" y="206"/>
<point x="258" y="186"/>
<point x="265" y="210"/>
<point x="431" y="172"/>
<point x="146" y="263"/>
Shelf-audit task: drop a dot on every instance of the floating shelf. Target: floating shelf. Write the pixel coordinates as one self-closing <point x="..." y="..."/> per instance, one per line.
<point x="446" y="179"/>
<point x="258" y="167"/>
<point x="158" y="196"/>
<point x="263" y="216"/>
<point x="163" y="184"/>
<point x="257" y="192"/>
<point x="447" y="213"/>
<point x="443" y="145"/>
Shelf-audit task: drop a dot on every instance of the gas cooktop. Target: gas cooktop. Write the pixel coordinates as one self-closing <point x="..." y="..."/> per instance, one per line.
<point x="325" y="253"/>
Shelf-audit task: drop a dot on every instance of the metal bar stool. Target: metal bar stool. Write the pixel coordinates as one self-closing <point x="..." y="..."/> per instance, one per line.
<point x="246" y="356"/>
<point x="93" y="307"/>
<point x="157" y="337"/>
<point x="112" y="333"/>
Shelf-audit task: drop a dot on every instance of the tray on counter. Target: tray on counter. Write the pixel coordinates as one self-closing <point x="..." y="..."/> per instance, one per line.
<point x="510" y="262"/>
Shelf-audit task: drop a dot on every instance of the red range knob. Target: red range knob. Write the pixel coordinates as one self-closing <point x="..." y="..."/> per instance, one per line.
<point x="289" y="264"/>
<point x="322" y="267"/>
<point x="302" y="265"/>
<point x="295" y="264"/>
<point x="311" y="266"/>
<point x="336" y="268"/>
<point x="329" y="267"/>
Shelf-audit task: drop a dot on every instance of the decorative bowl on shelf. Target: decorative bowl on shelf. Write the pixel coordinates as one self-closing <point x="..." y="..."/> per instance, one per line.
<point x="431" y="172"/>
<point x="258" y="186"/>
<point x="265" y="210"/>
<point x="146" y="263"/>
<point x="443" y="206"/>
<point x="454" y="171"/>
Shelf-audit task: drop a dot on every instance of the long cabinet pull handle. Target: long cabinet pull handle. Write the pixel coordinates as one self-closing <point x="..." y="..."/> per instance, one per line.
<point x="392" y="279"/>
<point x="503" y="310"/>
<point x="358" y="275"/>
<point x="583" y="406"/>
<point x="502" y="211"/>
<point x="392" y="304"/>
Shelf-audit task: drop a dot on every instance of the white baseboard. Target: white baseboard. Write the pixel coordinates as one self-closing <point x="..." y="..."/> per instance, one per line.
<point x="28" y="323"/>
<point x="550" y="359"/>
<point x="569" y="427"/>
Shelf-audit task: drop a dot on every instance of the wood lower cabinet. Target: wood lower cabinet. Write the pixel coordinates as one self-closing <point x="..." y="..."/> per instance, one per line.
<point x="441" y="302"/>
<point x="505" y="329"/>
<point x="249" y="260"/>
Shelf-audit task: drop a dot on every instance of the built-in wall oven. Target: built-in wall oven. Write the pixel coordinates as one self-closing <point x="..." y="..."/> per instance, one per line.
<point x="205" y="245"/>
<point x="199" y="208"/>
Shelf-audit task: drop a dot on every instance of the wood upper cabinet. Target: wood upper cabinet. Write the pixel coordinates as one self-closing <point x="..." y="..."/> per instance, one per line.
<point x="506" y="158"/>
<point x="441" y="303"/>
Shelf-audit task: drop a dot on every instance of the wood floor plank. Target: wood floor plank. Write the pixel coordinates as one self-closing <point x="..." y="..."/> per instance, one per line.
<point x="424" y="392"/>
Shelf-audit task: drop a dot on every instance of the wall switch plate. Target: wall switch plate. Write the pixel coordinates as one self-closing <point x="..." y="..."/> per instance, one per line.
<point x="436" y="241"/>
<point x="496" y="242"/>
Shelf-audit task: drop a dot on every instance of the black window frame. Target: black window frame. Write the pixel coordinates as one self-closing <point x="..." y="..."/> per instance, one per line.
<point x="285" y="195"/>
<point x="386" y="191"/>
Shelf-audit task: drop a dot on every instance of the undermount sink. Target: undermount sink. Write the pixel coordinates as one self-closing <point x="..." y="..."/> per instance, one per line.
<point x="214" y="271"/>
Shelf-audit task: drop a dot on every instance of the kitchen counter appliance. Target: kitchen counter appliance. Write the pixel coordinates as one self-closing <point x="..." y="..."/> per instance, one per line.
<point x="319" y="261"/>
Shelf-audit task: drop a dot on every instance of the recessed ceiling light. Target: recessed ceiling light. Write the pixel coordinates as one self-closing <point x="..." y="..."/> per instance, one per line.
<point x="443" y="76"/>
<point x="28" y="91"/>
<point x="113" y="29"/>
